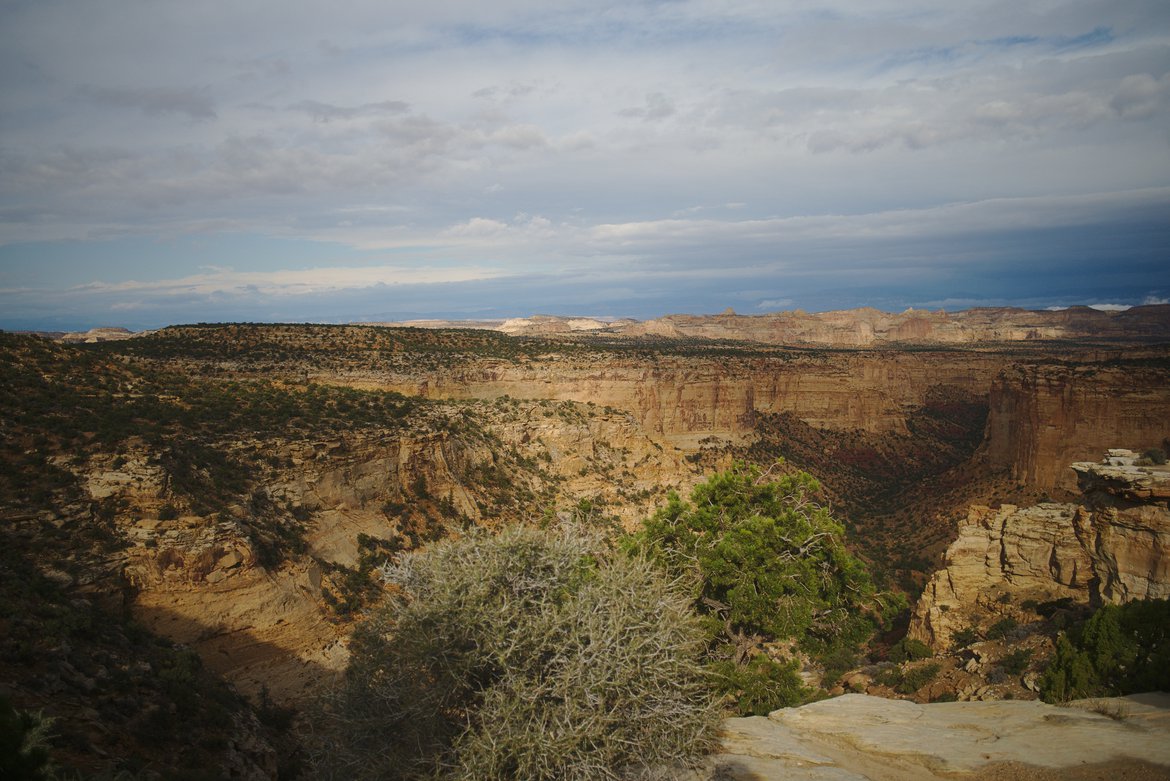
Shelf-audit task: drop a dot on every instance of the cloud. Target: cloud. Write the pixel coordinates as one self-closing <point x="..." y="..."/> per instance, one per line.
<point x="630" y="150"/>
<point x="194" y="102"/>
<point x="658" y="106"/>
<point x="325" y="112"/>
<point x="301" y="282"/>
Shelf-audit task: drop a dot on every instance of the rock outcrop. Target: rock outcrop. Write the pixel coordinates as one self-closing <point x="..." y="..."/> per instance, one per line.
<point x="200" y="580"/>
<point x="862" y="738"/>
<point x="96" y="335"/>
<point x="1045" y="416"/>
<point x="1112" y="548"/>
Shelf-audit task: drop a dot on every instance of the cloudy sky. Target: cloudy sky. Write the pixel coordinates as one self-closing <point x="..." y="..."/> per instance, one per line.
<point x="189" y="161"/>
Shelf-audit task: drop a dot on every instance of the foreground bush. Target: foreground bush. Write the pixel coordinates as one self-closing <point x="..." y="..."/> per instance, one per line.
<point x="1121" y="649"/>
<point x="529" y="655"/>
<point x="767" y="563"/>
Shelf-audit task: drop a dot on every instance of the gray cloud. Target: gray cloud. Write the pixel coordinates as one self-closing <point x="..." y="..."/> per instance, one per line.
<point x="325" y="112"/>
<point x="194" y="102"/>
<point x="658" y="106"/>
<point x="870" y="136"/>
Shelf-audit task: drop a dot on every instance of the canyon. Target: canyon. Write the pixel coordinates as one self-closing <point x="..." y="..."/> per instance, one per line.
<point x="247" y="479"/>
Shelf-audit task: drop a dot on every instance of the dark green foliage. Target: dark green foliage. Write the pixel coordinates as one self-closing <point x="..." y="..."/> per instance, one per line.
<point x="766" y="563"/>
<point x="761" y="685"/>
<point x="1001" y="628"/>
<point x="964" y="637"/>
<point x="1121" y="649"/>
<point x="1015" y="662"/>
<point x="1155" y="455"/>
<point x="528" y="656"/>
<point x="909" y="650"/>
<point x="357" y="586"/>
<point x="24" y="745"/>
<point x="907" y="681"/>
<point x="917" y="677"/>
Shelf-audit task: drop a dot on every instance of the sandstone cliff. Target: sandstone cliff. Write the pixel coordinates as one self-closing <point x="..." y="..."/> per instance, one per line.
<point x="1112" y="548"/>
<point x="1044" y="416"/>
<point x="686" y="398"/>
<point x="202" y="579"/>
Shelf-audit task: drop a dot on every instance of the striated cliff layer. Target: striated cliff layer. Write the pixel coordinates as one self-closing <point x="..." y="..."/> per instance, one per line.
<point x="1112" y="548"/>
<point x="1045" y="416"/>
<point x="689" y="398"/>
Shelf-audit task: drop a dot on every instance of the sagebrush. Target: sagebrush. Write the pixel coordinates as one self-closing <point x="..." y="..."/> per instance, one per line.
<point x="531" y="654"/>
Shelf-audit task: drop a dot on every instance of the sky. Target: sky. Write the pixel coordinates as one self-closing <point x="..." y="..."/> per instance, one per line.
<point x="369" y="160"/>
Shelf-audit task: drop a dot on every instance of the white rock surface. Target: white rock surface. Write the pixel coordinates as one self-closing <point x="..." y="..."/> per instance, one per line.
<point x="861" y="738"/>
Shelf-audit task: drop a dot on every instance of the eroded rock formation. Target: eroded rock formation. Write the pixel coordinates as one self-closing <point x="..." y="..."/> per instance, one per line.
<point x="1111" y="548"/>
<point x="202" y="579"/>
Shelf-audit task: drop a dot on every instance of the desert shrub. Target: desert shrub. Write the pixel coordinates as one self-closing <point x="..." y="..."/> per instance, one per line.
<point x="760" y="684"/>
<point x="766" y="562"/>
<point x="964" y="637"/>
<point x="1121" y="649"/>
<point x="534" y="654"/>
<point x="1001" y="628"/>
<point x="24" y="743"/>
<point x="887" y="675"/>
<point x="1155" y="455"/>
<point x="1016" y="662"/>
<point x="909" y="650"/>
<point x="917" y="677"/>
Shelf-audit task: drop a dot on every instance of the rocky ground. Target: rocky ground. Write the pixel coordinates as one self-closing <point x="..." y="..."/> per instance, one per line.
<point x="862" y="738"/>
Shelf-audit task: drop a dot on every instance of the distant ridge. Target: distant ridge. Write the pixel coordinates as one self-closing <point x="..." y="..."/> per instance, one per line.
<point x="863" y="327"/>
<point x="858" y="327"/>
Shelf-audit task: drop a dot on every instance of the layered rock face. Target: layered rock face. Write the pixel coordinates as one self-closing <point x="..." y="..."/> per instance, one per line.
<point x="1045" y="416"/>
<point x="1131" y="521"/>
<point x="686" y="399"/>
<point x="1113" y="548"/>
<point x="201" y="580"/>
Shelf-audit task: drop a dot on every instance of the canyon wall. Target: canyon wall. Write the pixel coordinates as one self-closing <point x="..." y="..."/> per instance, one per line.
<point x="203" y="580"/>
<point x="687" y="399"/>
<point x="1113" y="547"/>
<point x="1045" y="416"/>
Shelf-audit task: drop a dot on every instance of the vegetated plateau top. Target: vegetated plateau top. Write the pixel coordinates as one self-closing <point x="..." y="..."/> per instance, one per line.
<point x="854" y="328"/>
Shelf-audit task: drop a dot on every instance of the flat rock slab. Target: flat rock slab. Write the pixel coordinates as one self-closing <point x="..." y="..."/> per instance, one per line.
<point x="861" y="738"/>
